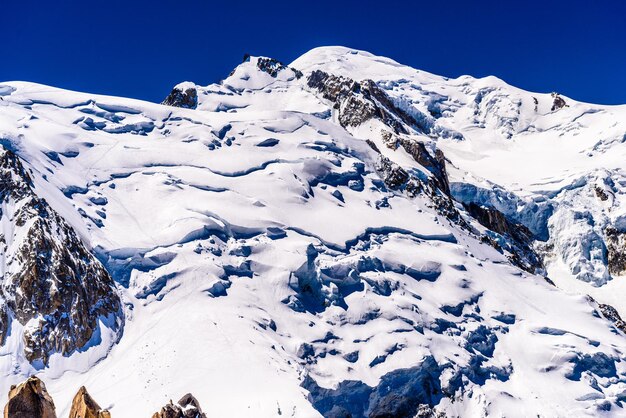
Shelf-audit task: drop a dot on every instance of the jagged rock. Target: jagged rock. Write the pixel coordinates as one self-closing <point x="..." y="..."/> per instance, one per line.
<point x="498" y="222"/>
<point x="359" y="102"/>
<point x="520" y="237"/>
<point x="558" y="102"/>
<point x="30" y="400"/>
<point x="390" y="140"/>
<point x="611" y="314"/>
<point x="187" y="407"/>
<point x="438" y="189"/>
<point x="397" y="178"/>
<point x="602" y="195"/>
<point x="615" y="241"/>
<point x="84" y="406"/>
<point x="417" y="150"/>
<point x="273" y="66"/>
<point x="52" y="284"/>
<point x="184" y="95"/>
<point x="392" y="174"/>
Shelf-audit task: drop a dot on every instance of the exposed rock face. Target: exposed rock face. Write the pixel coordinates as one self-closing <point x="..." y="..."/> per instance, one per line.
<point x="273" y="66"/>
<point x="51" y="284"/>
<point x="397" y="178"/>
<point x="616" y="250"/>
<point x="184" y="95"/>
<point x="498" y="222"/>
<point x="30" y="400"/>
<point x="558" y="102"/>
<point x="84" y="406"/>
<point x="187" y="407"/>
<point x="392" y="174"/>
<point x="520" y="238"/>
<point x="611" y="314"/>
<point x="435" y="164"/>
<point x="359" y="102"/>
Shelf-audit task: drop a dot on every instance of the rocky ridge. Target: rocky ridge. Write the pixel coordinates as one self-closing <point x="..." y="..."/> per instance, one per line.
<point x="30" y="399"/>
<point x="52" y="285"/>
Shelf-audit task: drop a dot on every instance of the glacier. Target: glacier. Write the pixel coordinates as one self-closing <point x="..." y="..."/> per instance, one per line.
<point x="340" y="236"/>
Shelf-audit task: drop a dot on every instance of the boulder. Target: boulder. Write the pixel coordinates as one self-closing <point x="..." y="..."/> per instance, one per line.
<point x="30" y="400"/>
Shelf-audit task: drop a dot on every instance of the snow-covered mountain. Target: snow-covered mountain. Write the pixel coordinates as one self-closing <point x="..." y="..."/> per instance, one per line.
<point x="343" y="236"/>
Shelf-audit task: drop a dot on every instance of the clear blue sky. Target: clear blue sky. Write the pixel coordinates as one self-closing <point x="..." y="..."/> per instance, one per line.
<point x="141" y="49"/>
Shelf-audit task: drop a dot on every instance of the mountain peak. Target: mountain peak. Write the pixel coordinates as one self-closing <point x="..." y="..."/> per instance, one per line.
<point x="298" y="239"/>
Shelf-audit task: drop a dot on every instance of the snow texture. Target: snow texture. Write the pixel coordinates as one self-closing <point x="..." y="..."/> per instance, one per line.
<point x="273" y="260"/>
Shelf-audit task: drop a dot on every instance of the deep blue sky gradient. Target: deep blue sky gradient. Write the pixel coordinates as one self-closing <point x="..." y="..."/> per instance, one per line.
<point x="143" y="48"/>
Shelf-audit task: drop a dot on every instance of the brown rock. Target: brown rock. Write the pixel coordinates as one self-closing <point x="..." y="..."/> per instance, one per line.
<point x="358" y="102"/>
<point x="30" y="400"/>
<point x="84" y="406"/>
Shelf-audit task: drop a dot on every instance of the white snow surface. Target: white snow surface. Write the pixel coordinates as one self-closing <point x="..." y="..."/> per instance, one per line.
<point x="202" y="217"/>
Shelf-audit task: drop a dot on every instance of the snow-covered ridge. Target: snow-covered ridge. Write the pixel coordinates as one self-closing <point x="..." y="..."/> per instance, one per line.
<point x="279" y="253"/>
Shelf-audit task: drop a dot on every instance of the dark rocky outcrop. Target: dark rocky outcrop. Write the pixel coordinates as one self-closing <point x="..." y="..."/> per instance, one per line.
<point x="558" y="102"/>
<point x="612" y="315"/>
<point x="29" y="400"/>
<point x="601" y="194"/>
<point x="51" y="283"/>
<point x="182" y="97"/>
<point x="392" y="174"/>
<point x="84" y="406"/>
<point x="498" y="222"/>
<point x="615" y="241"/>
<point x="187" y="407"/>
<point x="436" y="164"/>
<point x="359" y="102"/>
<point x="397" y="178"/>
<point x="519" y="238"/>
<point x="273" y="67"/>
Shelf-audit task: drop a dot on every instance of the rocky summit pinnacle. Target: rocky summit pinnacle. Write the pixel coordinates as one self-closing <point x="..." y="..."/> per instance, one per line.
<point x="30" y="399"/>
<point x="84" y="406"/>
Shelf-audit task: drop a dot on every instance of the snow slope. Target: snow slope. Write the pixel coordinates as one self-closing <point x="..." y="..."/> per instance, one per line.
<point x="267" y="268"/>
